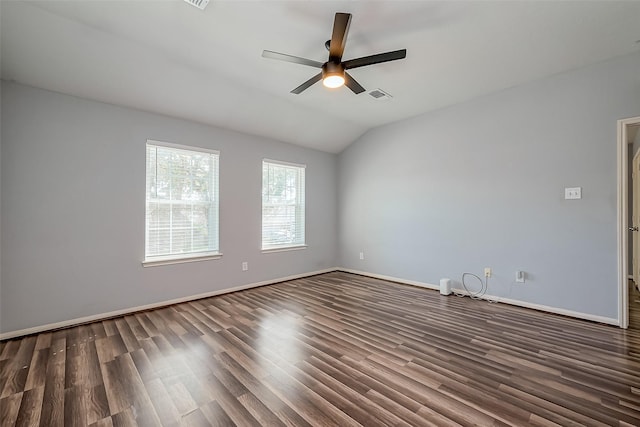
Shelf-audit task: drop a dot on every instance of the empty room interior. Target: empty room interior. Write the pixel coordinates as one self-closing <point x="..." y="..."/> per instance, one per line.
<point x="375" y="213"/>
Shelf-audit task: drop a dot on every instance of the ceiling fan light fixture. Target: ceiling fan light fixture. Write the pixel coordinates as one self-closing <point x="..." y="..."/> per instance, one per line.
<point x="332" y="75"/>
<point x="333" y="81"/>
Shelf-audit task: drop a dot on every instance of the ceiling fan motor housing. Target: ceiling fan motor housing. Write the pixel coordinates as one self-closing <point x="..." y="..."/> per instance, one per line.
<point x="332" y="69"/>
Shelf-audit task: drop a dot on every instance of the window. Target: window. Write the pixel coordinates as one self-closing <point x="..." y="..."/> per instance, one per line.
<point x="282" y="205"/>
<point x="182" y="204"/>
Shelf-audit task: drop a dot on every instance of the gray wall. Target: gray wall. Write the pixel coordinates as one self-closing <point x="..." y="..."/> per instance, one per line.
<point x="73" y="189"/>
<point x="481" y="184"/>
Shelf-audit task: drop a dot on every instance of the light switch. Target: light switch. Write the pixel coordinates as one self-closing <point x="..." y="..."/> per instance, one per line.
<point x="573" y="193"/>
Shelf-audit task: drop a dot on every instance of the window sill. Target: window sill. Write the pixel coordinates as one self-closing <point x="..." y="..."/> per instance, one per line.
<point x="155" y="261"/>
<point x="284" y="249"/>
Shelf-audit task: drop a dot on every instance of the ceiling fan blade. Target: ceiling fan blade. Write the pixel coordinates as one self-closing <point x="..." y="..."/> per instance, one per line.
<point x="375" y="59"/>
<point x="339" y="36"/>
<point x="352" y="84"/>
<point x="291" y="58"/>
<point x="306" y="85"/>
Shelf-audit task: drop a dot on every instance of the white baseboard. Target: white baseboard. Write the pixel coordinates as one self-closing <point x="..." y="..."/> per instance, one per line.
<point x="546" y="308"/>
<point x="116" y="313"/>
<point x="549" y="309"/>
<point x="391" y="279"/>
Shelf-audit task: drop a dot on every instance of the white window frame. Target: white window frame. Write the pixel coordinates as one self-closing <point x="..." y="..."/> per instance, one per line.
<point x="183" y="257"/>
<point x="299" y="207"/>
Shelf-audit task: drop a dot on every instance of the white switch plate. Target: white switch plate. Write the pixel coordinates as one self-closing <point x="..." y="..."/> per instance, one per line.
<point x="361" y="255"/>
<point x="573" y="193"/>
<point x="245" y="266"/>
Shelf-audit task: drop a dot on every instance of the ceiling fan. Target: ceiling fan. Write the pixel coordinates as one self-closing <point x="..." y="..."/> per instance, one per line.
<point x="334" y="72"/>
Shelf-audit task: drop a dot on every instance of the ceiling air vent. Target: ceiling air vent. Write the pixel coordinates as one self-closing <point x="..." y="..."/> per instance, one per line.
<point x="380" y="94"/>
<point x="200" y="4"/>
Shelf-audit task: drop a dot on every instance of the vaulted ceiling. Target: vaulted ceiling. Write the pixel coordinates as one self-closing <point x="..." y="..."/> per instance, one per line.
<point x="171" y="58"/>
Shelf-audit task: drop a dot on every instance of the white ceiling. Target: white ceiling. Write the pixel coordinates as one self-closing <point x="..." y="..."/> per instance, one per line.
<point x="171" y="58"/>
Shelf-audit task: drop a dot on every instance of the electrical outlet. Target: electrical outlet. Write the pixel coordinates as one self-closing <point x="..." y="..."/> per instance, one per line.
<point x="573" y="193"/>
<point x="520" y="276"/>
<point x="487" y="272"/>
<point x="245" y="266"/>
<point x="361" y="255"/>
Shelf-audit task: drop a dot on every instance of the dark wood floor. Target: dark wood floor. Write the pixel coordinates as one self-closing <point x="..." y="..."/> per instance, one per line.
<point x="335" y="349"/>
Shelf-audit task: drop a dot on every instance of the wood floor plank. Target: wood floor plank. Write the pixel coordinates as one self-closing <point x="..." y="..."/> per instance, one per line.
<point x="17" y="370"/>
<point x="104" y="422"/>
<point x="260" y="412"/>
<point x="43" y="341"/>
<point x="109" y="347"/>
<point x="97" y="405"/>
<point x="144" y="366"/>
<point x="335" y="349"/>
<point x="30" y="407"/>
<point x="126" y="418"/>
<point x="9" y="408"/>
<point x="75" y="407"/>
<point x="137" y="329"/>
<point x="180" y="396"/>
<point x="52" y="413"/>
<point x="216" y="416"/>
<point x="195" y="419"/>
<point x="129" y="339"/>
<point x="38" y="369"/>
<point x="229" y="403"/>
<point x="163" y="404"/>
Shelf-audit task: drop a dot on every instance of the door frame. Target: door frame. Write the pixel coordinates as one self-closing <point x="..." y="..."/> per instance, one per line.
<point x="635" y="213"/>
<point x="623" y="219"/>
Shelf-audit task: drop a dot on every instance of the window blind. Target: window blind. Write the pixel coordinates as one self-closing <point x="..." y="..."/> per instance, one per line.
<point x="181" y="201"/>
<point x="283" y="209"/>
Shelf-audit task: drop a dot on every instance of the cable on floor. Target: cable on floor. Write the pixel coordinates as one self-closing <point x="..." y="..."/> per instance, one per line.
<point x="484" y="284"/>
